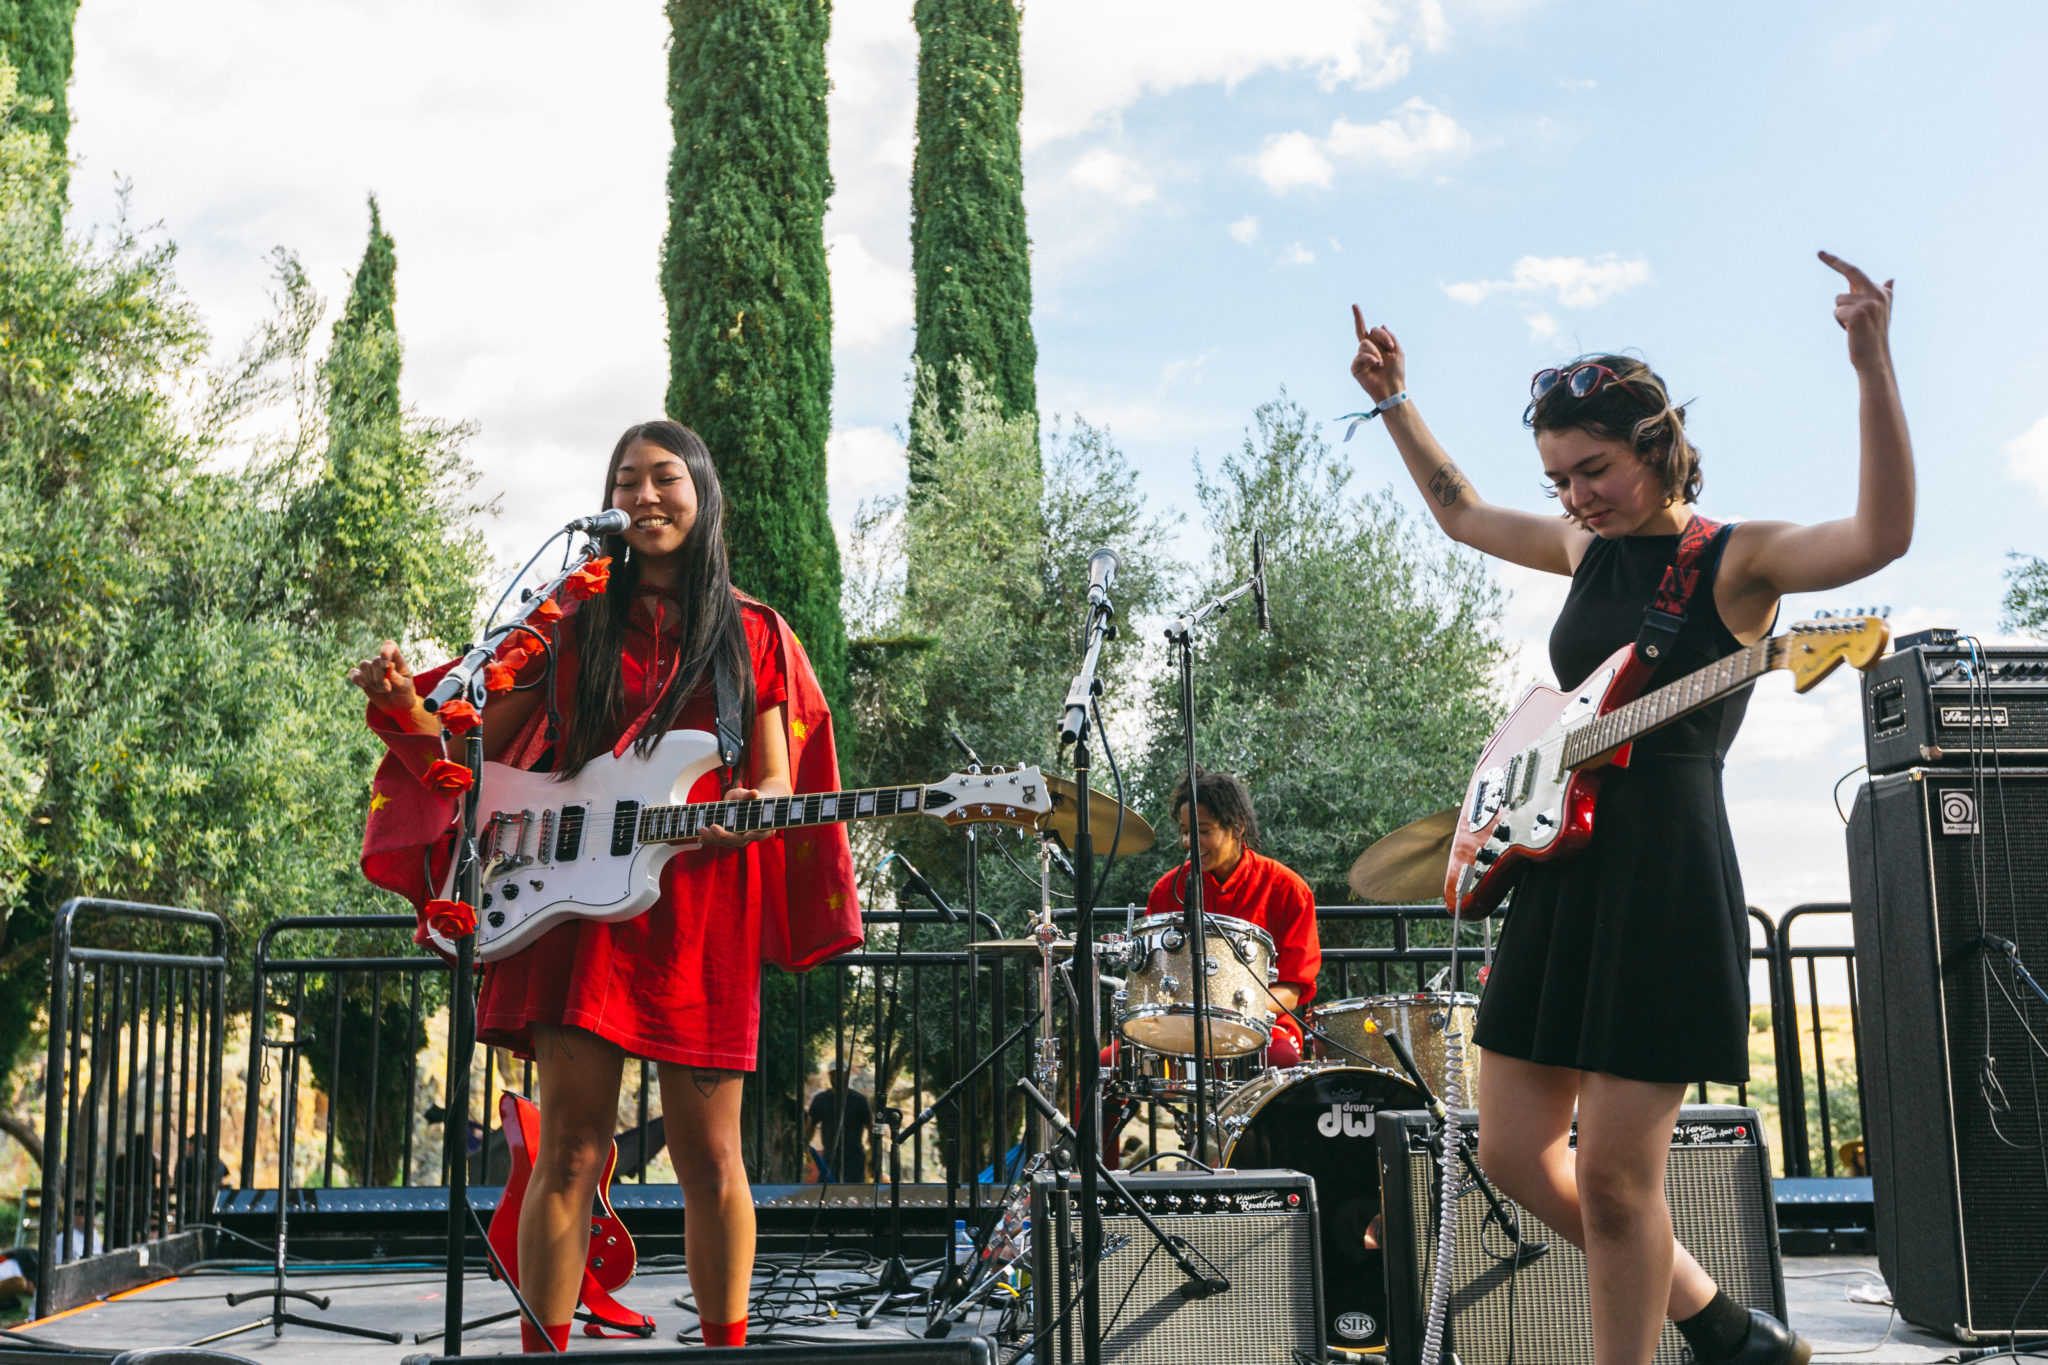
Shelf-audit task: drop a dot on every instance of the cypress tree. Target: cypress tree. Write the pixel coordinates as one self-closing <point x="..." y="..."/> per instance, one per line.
<point x="35" y="37"/>
<point x="749" y="303"/>
<point x="968" y="248"/>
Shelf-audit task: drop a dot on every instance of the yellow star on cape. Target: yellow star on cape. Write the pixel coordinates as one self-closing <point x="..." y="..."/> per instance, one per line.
<point x="836" y="899"/>
<point x="800" y="729"/>
<point x="378" y="800"/>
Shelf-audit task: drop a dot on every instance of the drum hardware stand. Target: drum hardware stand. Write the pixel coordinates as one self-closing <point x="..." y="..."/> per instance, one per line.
<point x="1199" y="1285"/>
<point x="1181" y="634"/>
<point x="276" y="1319"/>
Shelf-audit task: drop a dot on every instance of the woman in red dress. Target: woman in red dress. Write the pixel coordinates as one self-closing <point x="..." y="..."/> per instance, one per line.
<point x="680" y="984"/>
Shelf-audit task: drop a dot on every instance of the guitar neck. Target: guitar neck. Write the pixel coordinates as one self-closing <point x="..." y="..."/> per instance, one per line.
<point x="1630" y="722"/>
<point x="681" y="824"/>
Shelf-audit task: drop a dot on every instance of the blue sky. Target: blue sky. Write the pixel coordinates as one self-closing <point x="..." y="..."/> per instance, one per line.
<point x="1209" y="186"/>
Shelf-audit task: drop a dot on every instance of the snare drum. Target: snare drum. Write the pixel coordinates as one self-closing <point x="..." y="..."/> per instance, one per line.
<point x="1156" y="1009"/>
<point x="1420" y="1017"/>
<point x="1143" y="1074"/>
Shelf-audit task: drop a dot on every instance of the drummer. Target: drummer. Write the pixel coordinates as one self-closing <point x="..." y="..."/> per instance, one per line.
<point x="1243" y="883"/>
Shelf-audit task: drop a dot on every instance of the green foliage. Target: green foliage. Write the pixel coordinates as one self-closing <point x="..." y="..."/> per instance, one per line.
<point x="35" y="38"/>
<point x="2026" y="594"/>
<point x="1363" y="706"/>
<point x="369" y="1100"/>
<point x="749" y="304"/>
<point x="969" y="252"/>
<point x="173" y="724"/>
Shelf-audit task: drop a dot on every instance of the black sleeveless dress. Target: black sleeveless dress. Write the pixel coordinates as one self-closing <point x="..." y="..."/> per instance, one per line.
<point x="1632" y="957"/>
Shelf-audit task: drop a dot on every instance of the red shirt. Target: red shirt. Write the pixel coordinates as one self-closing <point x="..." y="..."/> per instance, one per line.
<point x="1262" y="892"/>
<point x="682" y="982"/>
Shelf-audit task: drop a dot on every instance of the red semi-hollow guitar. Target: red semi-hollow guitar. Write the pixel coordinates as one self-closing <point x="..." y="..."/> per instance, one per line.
<point x="612" y="1256"/>
<point x="1532" y="793"/>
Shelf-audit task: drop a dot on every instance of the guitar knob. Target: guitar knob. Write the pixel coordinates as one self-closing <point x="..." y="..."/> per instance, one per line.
<point x="1544" y="822"/>
<point x="1486" y="857"/>
<point x="1502" y="832"/>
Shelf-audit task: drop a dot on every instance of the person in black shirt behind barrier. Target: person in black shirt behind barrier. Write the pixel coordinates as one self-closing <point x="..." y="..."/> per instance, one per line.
<point x="837" y="1130"/>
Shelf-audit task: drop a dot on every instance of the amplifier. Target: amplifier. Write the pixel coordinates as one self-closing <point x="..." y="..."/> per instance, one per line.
<point x="1257" y="1227"/>
<point x="1955" y="1088"/>
<point x="1940" y="704"/>
<point x="1718" y="1180"/>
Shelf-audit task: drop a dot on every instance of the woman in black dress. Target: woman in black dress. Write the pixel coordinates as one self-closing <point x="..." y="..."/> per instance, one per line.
<point x="1622" y="974"/>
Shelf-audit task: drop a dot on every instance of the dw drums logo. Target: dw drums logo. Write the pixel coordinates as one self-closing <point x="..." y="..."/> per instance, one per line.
<point x="1346" y="1120"/>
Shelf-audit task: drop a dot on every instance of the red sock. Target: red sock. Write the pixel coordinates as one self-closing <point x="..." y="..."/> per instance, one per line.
<point x="534" y="1343"/>
<point x="724" y="1333"/>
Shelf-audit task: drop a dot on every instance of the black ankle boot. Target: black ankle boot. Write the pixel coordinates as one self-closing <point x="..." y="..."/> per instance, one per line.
<point x="1771" y="1343"/>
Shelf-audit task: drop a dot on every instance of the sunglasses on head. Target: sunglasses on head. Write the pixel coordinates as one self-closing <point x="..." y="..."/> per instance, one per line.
<point x="1579" y="381"/>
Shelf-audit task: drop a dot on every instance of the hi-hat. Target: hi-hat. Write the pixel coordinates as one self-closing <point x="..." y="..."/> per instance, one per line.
<point x="1408" y="865"/>
<point x="1020" y="947"/>
<point x="1102" y="810"/>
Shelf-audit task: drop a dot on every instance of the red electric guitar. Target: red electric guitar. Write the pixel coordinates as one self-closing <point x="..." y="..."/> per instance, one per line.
<point x="612" y="1256"/>
<point x="1531" y="796"/>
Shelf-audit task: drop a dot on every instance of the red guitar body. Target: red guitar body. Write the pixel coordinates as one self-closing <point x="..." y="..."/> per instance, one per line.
<point x="1523" y="805"/>
<point x="612" y="1257"/>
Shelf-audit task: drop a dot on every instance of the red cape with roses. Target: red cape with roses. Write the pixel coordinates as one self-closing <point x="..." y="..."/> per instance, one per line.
<point x="408" y="839"/>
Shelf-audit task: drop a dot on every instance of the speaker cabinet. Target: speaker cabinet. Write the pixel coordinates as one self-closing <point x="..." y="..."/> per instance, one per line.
<point x="1718" y="1181"/>
<point x="1257" y="1227"/>
<point x="1954" y="1078"/>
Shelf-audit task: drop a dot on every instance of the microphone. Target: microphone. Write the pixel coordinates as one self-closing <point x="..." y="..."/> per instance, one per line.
<point x="915" y="880"/>
<point x="1102" y="567"/>
<point x="610" y="523"/>
<point x="1259" y="578"/>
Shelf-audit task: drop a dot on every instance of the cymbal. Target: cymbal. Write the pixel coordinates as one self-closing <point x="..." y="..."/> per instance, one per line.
<point x="1407" y="865"/>
<point x="1020" y="947"/>
<point x="1102" y="809"/>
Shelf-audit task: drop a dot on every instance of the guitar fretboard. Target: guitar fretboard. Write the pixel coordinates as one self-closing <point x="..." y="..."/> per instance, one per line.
<point x="1637" y="718"/>
<point x="677" y="824"/>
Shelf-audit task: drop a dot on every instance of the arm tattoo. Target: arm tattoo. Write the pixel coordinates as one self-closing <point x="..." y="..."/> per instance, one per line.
<point x="1446" y="485"/>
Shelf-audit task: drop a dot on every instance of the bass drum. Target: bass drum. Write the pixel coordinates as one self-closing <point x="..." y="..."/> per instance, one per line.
<point x="1320" y="1120"/>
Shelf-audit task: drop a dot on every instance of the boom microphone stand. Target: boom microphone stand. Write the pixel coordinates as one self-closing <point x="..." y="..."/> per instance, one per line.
<point x="1100" y="627"/>
<point x="466" y="680"/>
<point x="1181" y="635"/>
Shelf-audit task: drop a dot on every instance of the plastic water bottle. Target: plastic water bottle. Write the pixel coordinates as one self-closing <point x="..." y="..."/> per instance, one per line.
<point x="963" y="1245"/>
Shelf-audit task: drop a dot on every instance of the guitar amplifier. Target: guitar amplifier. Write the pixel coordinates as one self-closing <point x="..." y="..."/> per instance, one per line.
<point x="1936" y="702"/>
<point x="1718" y="1180"/>
<point x="1257" y="1228"/>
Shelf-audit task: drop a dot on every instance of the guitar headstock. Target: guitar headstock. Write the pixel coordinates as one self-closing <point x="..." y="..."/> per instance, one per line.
<point x="1814" y="649"/>
<point x="1004" y="796"/>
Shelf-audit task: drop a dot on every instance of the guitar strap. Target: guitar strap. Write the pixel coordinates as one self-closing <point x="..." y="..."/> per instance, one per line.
<point x="1665" y="616"/>
<point x="731" y="734"/>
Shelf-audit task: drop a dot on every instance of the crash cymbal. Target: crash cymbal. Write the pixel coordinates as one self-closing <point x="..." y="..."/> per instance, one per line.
<point x="1020" y="947"/>
<point x="1102" y="809"/>
<point x="1407" y="865"/>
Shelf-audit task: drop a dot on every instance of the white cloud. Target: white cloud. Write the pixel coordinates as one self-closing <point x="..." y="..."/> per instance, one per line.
<point x="872" y="302"/>
<point x="1415" y="137"/>
<point x="1112" y="174"/>
<point x="1085" y="61"/>
<point x="862" y="463"/>
<point x="2026" y="458"/>
<point x="1245" y="230"/>
<point x="1569" y="281"/>
<point x="1586" y="83"/>
<point x="1543" y="327"/>
<point x="1291" y="160"/>
<point x="1297" y="254"/>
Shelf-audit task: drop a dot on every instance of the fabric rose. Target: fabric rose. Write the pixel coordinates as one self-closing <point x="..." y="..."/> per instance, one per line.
<point x="500" y="676"/>
<point x="450" y="919"/>
<point x="546" y="611"/>
<point x="590" y="580"/>
<point x="443" y="776"/>
<point x="458" y="717"/>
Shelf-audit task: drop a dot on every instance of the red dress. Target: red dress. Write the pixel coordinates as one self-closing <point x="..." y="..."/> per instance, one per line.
<point x="681" y="983"/>
<point x="1260" y="891"/>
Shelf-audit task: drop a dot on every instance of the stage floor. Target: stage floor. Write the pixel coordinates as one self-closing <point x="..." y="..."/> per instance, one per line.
<point x="175" y="1312"/>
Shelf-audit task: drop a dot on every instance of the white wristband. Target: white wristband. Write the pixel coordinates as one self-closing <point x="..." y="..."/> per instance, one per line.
<point x="1390" y="401"/>
<point x="1359" y="419"/>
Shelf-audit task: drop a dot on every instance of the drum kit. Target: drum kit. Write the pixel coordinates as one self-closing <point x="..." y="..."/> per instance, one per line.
<point x="1308" y="1117"/>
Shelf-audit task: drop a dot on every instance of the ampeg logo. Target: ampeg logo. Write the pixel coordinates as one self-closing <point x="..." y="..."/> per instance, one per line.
<point x="1956" y="717"/>
<point x="1958" y="813"/>
<point x="1344" y="1120"/>
<point x="1355" y="1326"/>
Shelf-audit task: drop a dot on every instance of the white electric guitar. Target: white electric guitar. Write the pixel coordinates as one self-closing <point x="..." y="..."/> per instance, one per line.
<point x="593" y="847"/>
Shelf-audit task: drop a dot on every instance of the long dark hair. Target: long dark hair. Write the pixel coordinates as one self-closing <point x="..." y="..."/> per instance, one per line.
<point x="1228" y="799"/>
<point x="711" y="615"/>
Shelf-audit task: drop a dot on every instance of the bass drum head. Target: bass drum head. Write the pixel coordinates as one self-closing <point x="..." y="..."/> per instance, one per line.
<point x="1320" y="1120"/>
